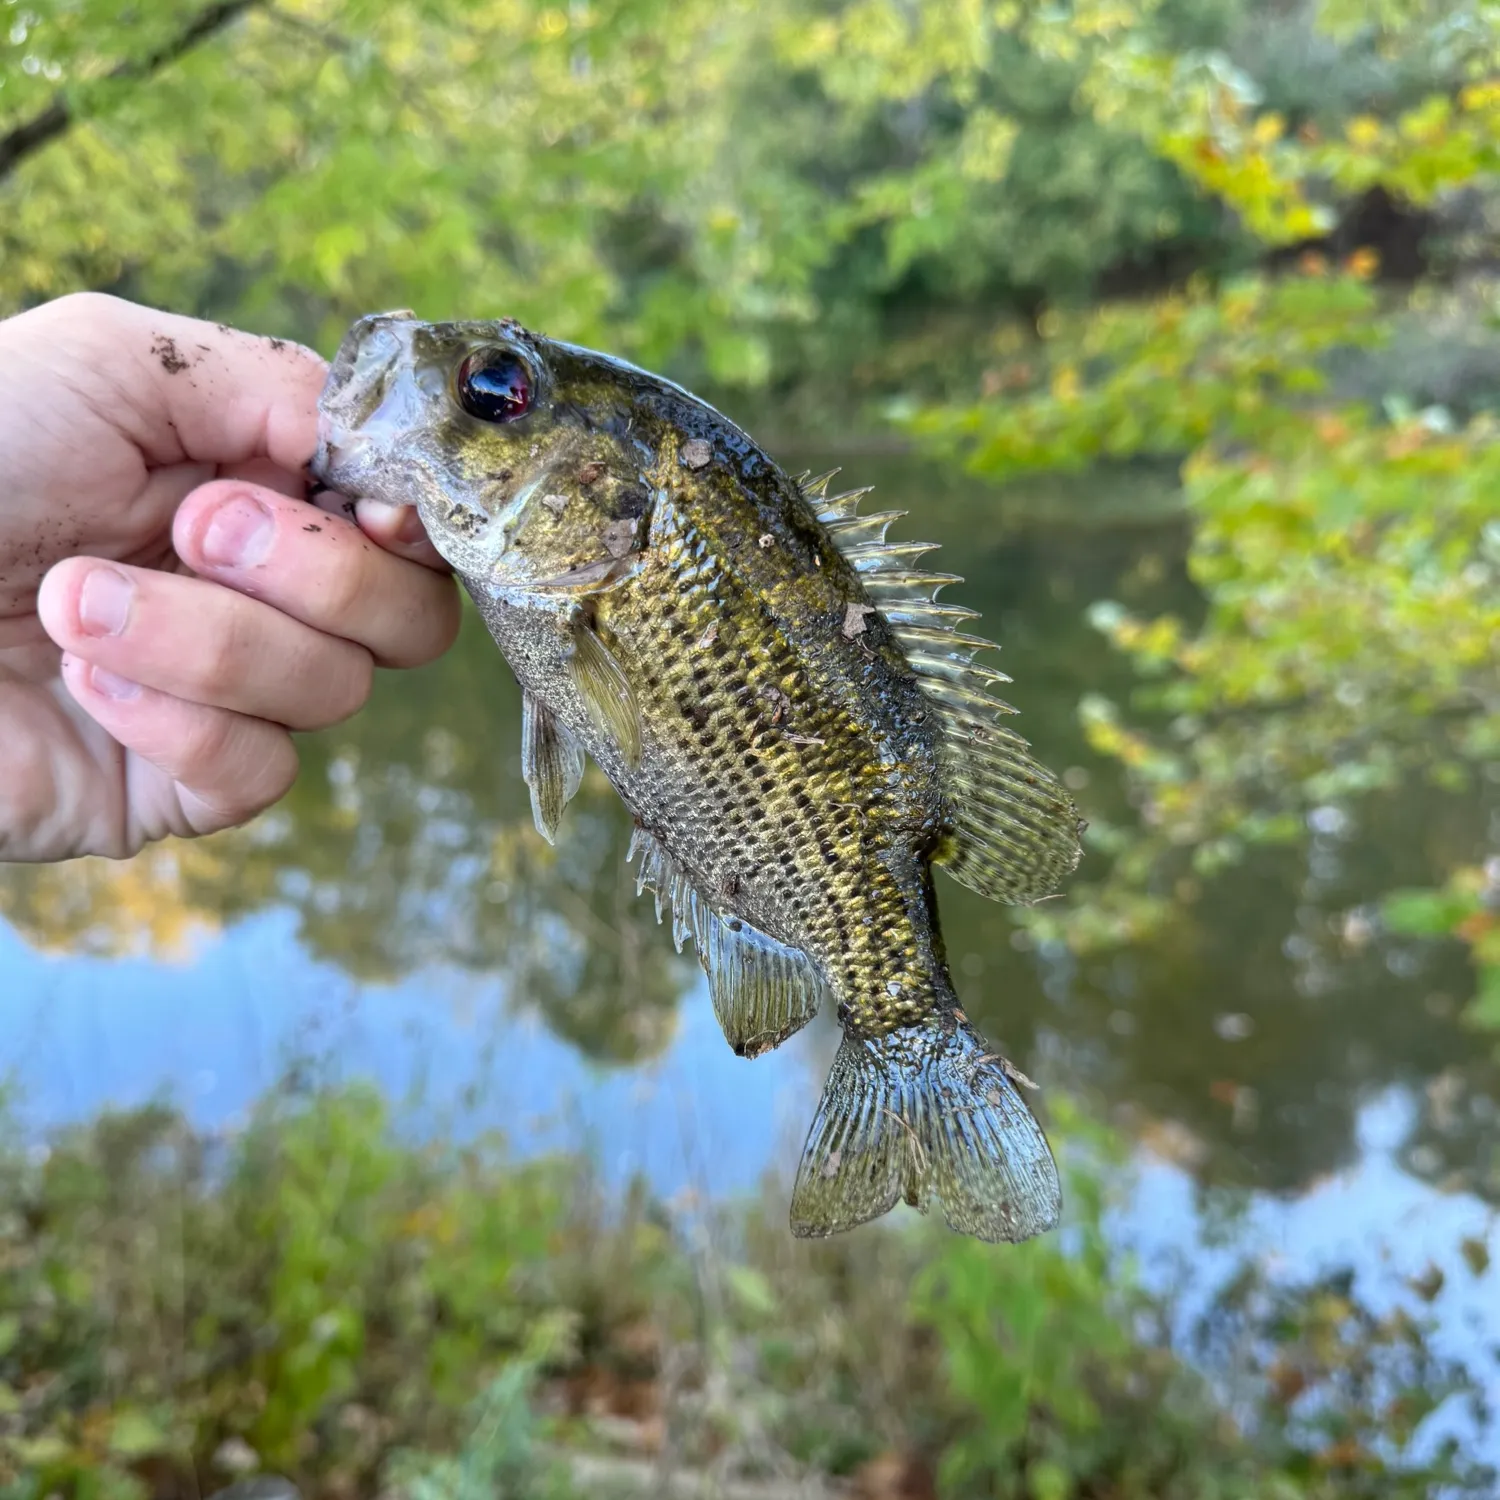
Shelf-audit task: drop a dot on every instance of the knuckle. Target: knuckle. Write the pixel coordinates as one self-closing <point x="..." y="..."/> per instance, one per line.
<point x="84" y="308"/>
<point x="432" y="626"/>
<point x="85" y="324"/>
<point x="361" y="677"/>
<point x="240" y="768"/>
<point x="222" y="653"/>
<point x="347" y="687"/>
<point x="345" y="590"/>
<point x="29" y="797"/>
<point x="331" y="681"/>
<point x="204" y="743"/>
<point x="277" y="770"/>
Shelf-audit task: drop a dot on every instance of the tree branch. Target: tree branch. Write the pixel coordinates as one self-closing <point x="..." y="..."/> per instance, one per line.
<point x="45" y="126"/>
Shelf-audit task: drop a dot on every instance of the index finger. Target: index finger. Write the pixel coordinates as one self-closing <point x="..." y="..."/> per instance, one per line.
<point x="188" y="390"/>
<point x="319" y="569"/>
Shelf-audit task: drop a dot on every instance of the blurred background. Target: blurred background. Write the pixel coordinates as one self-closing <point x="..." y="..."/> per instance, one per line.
<point x="381" y="1146"/>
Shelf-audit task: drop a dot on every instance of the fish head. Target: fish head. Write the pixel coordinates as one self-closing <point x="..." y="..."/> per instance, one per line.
<point x="520" y="454"/>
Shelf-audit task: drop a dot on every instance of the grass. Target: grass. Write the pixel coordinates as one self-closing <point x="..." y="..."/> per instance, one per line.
<point x="322" y="1297"/>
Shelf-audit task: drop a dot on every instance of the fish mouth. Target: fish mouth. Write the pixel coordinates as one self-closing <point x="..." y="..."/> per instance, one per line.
<point x="331" y="461"/>
<point x="362" y="406"/>
<point x="343" y="462"/>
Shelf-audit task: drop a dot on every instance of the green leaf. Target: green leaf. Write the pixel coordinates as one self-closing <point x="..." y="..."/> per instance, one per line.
<point x="133" y="1434"/>
<point x="1425" y="913"/>
<point x="752" y="1290"/>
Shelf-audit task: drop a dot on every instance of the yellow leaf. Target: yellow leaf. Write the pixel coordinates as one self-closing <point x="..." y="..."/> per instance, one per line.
<point x="1479" y="96"/>
<point x="1269" y="129"/>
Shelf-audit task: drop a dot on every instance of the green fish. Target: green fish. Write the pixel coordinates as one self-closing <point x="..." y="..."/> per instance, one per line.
<point x="795" y="722"/>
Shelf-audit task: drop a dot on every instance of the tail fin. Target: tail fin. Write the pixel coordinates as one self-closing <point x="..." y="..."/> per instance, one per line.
<point x="927" y="1114"/>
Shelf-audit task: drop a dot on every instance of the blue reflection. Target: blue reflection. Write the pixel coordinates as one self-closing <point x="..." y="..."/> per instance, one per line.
<point x="212" y="1034"/>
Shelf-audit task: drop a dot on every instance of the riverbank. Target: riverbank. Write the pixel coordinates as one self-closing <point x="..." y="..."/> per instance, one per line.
<point x="324" y="1296"/>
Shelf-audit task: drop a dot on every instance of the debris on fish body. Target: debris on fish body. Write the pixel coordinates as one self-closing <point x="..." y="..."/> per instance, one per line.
<point x="794" y="720"/>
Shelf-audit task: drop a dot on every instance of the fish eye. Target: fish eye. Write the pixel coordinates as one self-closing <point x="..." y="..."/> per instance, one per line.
<point x="494" y="386"/>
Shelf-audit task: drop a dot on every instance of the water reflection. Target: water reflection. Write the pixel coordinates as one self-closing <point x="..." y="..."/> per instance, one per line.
<point x="1243" y="1041"/>
<point x="400" y="853"/>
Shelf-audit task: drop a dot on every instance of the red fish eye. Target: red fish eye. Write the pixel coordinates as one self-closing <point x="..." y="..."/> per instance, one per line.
<point x="494" y="386"/>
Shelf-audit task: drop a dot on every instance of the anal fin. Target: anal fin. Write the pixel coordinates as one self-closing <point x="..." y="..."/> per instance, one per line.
<point x="551" y="762"/>
<point x="762" y="990"/>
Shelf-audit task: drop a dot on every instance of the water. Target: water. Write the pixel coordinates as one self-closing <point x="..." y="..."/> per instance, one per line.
<point x="1277" y="1063"/>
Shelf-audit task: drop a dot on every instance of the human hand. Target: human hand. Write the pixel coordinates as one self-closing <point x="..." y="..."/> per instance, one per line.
<point x="170" y="606"/>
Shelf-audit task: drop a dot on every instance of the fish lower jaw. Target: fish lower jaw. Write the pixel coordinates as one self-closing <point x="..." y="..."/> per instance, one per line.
<point x="337" y="462"/>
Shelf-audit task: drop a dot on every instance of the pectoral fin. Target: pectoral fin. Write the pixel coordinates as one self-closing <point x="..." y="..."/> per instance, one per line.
<point x="606" y="691"/>
<point x="551" y="762"/>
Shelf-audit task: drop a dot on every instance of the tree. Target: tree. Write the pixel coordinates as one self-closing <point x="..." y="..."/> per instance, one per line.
<point x="1346" y="546"/>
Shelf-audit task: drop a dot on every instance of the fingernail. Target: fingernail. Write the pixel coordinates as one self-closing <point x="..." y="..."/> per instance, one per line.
<point x="238" y="534"/>
<point x="104" y="602"/>
<point x="114" y="686"/>
<point x="411" y="530"/>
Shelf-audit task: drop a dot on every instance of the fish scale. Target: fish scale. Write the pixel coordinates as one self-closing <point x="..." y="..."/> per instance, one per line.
<point x="839" y="900"/>
<point x="798" y="727"/>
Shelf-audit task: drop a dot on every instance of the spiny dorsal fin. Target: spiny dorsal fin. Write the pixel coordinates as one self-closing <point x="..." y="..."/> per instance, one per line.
<point x="832" y="509"/>
<point x="856" y="530"/>
<point x="551" y="763"/>
<point x="814" y="487"/>
<point x="762" y="990"/>
<point x="1012" y="830"/>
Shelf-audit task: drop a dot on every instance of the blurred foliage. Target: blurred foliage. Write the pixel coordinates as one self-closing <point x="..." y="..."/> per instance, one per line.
<point x="321" y="1296"/>
<point x="1096" y="238"/>
<point x="161" y="1286"/>
<point x="1154" y="378"/>
<point x="1351" y="569"/>
<point x="1347" y="544"/>
<point x="500" y="1460"/>
<point x="737" y="192"/>
<point x="741" y="193"/>
<point x="1468" y="909"/>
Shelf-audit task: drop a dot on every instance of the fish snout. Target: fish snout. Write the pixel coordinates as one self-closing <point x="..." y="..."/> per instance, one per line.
<point x="365" y="402"/>
<point x="358" y="376"/>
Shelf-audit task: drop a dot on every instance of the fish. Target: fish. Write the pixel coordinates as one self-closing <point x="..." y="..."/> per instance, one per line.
<point x="793" y="718"/>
